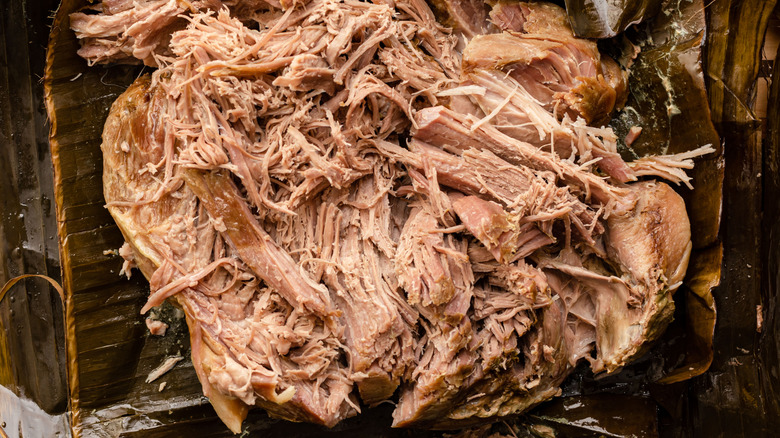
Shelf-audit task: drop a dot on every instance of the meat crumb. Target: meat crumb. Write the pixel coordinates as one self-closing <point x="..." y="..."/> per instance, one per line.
<point x="162" y="386"/>
<point x="759" y="318"/>
<point x="542" y="430"/>
<point x="548" y="353"/>
<point x="127" y="253"/>
<point x="164" y="367"/>
<point x="157" y="328"/>
<point x="218" y="224"/>
<point x="633" y="134"/>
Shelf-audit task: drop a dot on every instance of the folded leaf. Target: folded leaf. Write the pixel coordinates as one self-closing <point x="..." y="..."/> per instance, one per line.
<point x="607" y="18"/>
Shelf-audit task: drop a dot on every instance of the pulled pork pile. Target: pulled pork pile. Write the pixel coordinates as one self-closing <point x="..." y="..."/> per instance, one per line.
<point x="349" y="195"/>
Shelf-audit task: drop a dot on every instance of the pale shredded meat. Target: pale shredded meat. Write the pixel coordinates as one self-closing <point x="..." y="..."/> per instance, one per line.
<point x="350" y="201"/>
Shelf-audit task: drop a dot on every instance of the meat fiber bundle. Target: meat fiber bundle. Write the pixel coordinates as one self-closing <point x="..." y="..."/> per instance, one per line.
<point x="354" y="203"/>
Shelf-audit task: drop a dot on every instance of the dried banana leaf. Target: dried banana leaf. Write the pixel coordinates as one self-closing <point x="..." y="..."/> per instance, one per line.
<point x="32" y="355"/>
<point x="107" y="343"/>
<point x="607" y="18"/>
<point x="738" y="396"/>
<point x="110" y="350"/>
<point x="609" y="415"/>
<point x="668" y="101"/>
<point x="769" y="353"/>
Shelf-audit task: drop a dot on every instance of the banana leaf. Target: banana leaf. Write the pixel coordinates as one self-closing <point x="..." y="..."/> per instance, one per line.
<point x="769" y="352"/>
<point x="607" y="18"/>
<point x="110" y="352"/>
<point x="668" y="101"/>
<point x="740" y="390"/>
<point x="32" y="355"/>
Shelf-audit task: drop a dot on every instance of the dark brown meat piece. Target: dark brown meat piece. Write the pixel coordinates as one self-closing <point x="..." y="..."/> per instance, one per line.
<point x="534" y="18"/>
<point x="563" y="75"/>
<point x="539" y="49"/>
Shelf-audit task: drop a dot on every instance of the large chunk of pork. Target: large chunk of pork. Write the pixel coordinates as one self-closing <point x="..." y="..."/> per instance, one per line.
<point x="249" y="344"/>
<point x="539" y="49"/>
<point x="650" y="245"/>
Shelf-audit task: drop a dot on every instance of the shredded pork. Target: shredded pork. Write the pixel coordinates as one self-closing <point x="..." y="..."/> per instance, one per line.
<point x="353" y="202"/>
